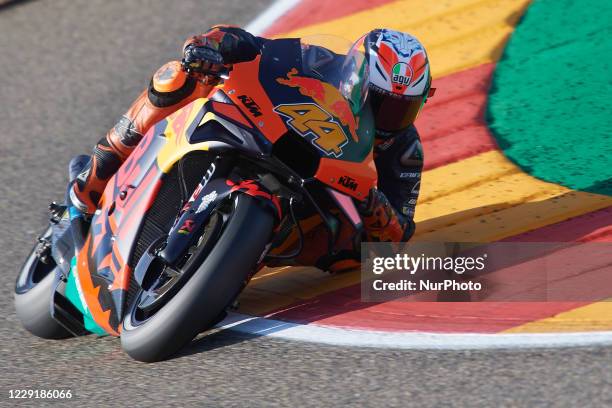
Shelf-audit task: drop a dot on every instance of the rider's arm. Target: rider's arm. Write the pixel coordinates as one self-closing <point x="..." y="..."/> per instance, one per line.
<point x="399" y="161"/>
<point x="390" y="212"/>
<point x="171" y="88"/>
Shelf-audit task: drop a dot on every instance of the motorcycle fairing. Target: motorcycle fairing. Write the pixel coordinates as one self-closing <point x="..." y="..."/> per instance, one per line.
<point x="354" y="179"/>
<point x="276" y="83"/>
<point x="102" y="268"/>
<point x="286" y="83"/>
<point x="244" y="82"/>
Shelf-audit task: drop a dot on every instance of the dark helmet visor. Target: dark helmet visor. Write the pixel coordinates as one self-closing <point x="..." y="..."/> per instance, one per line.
<point x="394" y="112"/>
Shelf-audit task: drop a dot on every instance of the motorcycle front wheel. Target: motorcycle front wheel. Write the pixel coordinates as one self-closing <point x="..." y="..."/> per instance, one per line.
<point x="33" y="291"/>
<point x="211" y="288"/>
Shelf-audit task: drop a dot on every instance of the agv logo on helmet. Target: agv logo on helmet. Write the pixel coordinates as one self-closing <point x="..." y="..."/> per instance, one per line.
<point x="402" y="73"/>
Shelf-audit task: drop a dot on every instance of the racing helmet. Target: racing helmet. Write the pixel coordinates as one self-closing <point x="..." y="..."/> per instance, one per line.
<point x="399" y="79"/>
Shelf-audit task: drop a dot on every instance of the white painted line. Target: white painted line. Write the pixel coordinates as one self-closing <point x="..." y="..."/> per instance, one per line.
<point x="408" y="340"/>
<point x="270" y="15"/>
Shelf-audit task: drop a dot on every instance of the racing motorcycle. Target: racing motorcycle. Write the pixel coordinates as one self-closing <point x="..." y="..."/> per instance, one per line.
<point x="268" y="170"/>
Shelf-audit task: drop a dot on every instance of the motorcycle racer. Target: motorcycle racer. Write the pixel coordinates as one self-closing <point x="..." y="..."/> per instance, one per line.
<point x="399" y="84"/>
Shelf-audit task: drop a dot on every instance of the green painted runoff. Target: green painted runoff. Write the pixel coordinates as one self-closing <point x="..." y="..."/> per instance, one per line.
<point x="549" y="105"/>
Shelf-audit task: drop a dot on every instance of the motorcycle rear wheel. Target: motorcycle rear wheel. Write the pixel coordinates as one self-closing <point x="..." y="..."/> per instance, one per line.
<point x="209" y="291"/>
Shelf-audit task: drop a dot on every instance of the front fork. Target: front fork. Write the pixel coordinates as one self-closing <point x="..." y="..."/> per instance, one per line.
<point x="213" y="189"/>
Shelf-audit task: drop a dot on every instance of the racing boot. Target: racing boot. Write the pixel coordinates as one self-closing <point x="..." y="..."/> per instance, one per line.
<point x="76" y="165"/>
<point x="79" y="219"/>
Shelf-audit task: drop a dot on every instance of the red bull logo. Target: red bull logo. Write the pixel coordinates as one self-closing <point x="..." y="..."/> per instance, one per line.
<point x="326" y="96"/>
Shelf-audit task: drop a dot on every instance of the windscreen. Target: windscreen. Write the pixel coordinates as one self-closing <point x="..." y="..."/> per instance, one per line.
<point x="340" y="63"/>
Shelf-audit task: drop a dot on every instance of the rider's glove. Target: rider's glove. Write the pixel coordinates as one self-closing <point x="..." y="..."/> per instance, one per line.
<point x="213" y="52"/>
<point x="203" y="59"/>
<point x="381" y="221"/>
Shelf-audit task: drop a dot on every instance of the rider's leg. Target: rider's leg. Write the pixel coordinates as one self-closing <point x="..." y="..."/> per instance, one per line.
<point x="169" y="90"/>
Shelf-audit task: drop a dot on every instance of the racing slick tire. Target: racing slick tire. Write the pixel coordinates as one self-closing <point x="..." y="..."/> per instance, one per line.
<point x="208" y="292"/>
<point x="33" y="294"/>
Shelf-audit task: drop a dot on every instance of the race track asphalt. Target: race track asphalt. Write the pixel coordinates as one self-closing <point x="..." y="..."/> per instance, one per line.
<point x="68" y="70"/>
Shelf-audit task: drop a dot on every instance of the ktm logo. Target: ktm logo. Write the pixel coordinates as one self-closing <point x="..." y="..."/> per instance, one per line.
<point x="348" y="182"/>
<point x="250" y="105"/>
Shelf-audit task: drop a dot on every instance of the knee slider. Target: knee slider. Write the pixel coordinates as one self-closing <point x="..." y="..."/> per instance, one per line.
<point x="170" y="85"/>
